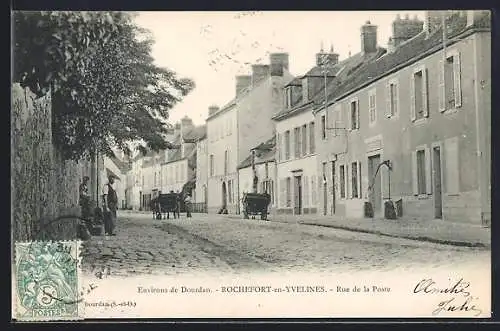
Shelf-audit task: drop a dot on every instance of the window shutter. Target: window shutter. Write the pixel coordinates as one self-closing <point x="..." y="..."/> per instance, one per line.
<point x="396" y="98"/>
<point x="357" y="114"/>
<point x="414" y="166"/>
<point x="347" y="182"/>
<point x="442" y="93"/>
<point x="424" y="93"/>
<point x="347" y="107"/>
<point x="388" y="100"/>
<point x="360" y="193"/>
<point x="428" y="176"/>
<point x="457" y="80"/>
<point x="412" y="97"/>
<point x="278" y="144"/>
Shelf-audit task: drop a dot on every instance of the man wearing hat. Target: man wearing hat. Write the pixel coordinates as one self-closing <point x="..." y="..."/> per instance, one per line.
<point x="110" y="204"/>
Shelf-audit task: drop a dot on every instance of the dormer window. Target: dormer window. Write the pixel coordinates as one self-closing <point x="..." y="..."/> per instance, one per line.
<point x="305" y="89"/>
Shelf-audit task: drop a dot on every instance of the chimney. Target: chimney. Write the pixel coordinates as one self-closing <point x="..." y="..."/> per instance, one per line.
<point x="212" y="110"/>
<point x="405" y="29"/>
<point x="242" y="82"/>
<point x="433" y="20"/>
<point x="279" y="63"/>
<point x="331" y="58"/>
<point x="368" y="38"/>
<point x="259" y="73"/>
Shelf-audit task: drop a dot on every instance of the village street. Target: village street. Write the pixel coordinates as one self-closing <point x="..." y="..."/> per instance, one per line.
<point x="218" y="243"/>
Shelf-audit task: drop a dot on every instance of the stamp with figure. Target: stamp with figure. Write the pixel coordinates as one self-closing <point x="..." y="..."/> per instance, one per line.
<point x="47" y="281"/>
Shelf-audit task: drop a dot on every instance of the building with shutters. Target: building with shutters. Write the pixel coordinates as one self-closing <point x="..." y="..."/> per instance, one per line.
<point x="424" y="107"/>
<point x="265" y="171"/>
<point x="237" y="127"/>
<point x="302" y="188"/>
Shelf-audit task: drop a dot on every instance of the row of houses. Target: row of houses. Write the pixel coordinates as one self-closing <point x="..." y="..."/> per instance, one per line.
<point x="410" y="123"/>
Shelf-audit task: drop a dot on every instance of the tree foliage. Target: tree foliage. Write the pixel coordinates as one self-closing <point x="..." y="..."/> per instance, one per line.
<point x="106" y="89"/>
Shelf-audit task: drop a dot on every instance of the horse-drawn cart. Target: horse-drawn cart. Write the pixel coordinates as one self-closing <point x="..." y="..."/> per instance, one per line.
<point x="166" y="203"/>
<point x="256" y="204"/>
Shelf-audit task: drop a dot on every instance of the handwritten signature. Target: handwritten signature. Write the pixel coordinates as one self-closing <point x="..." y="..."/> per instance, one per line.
<point x="462" y="300"/>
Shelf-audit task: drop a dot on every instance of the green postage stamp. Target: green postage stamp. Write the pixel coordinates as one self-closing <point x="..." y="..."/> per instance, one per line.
<point x="47" y="278"/>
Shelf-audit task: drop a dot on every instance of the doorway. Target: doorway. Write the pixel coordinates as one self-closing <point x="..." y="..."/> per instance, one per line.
<point x="436" y="174"/>
<point x="333" y="187"/>
<point x="224" y="195"/>
<point x="376" y="190"/>
<point x="298" y="195"/>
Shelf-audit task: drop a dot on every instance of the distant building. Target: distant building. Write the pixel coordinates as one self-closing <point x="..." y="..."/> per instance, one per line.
<point x="426" y="111"/>
<point x="178" y="171"/>
<point x="239" y="126"/>
<point x="265" y="172"/>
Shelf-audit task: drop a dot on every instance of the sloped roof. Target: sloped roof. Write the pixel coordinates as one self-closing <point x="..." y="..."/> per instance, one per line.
<point x="295" y="82"/>
<point x="343" y="69"/>
<point x="195" y="134"/>
<point x="243" y="94"/>
<point x="419" y="46"/>
<point x="265" y="152"/>
<point x="122" y="165"/>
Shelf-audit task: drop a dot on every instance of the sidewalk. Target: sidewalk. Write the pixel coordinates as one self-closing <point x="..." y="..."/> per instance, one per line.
<point x="436" y="231"/>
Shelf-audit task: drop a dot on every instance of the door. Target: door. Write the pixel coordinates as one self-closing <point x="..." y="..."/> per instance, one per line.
<point x="333" y="187"/>
<point x="376" y="189"/>
<point x="436" y="174"/>
<point x="298" y="195"/>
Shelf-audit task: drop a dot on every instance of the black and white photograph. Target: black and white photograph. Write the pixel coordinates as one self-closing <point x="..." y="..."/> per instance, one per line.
<point x="250" y="164"/>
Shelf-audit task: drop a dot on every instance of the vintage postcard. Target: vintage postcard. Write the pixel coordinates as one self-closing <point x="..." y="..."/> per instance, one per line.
<point x="251" y="164"/>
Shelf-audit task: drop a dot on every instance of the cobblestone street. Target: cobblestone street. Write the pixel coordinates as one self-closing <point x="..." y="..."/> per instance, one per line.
<point x="209" y="243"/>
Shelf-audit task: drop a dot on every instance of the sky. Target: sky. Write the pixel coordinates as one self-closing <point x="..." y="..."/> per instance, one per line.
<point x="213" y="47"/>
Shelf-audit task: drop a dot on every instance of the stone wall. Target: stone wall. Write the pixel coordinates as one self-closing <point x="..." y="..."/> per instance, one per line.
<point x="43" y="186"/>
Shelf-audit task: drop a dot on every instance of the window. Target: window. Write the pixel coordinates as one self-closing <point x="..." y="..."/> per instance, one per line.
<point x="392" y="99"/>
<point x="297" y="141"/>
<point x="312" y="141"/>
<point x="304" y="139"/>
<point x="421" y="171"/>
<point x="287" y="145"/>
<point x="155" y="179"/>
<point x="226" y="161"/>
<point x="211" y="165"/>
<point x="450" y="96"/>
<point x="323" y="127"/>
<point x="418" y="92"/>
<point x="288" y="192"/>
<point x="354" y="180"/>
<point x="229" y="191"/>
<point x="342" y="181"/>
<point x="372" y="108"/>
<point x="354" y="112"/>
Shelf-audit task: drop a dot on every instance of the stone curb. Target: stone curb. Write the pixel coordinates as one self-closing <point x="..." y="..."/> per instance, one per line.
<point x="415" y="237"/>
<point x="388" y="234"/>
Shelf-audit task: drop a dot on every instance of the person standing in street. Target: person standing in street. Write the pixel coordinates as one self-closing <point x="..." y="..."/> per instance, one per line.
<point x="110" y="205"/>
<point x="187" y="204"/>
